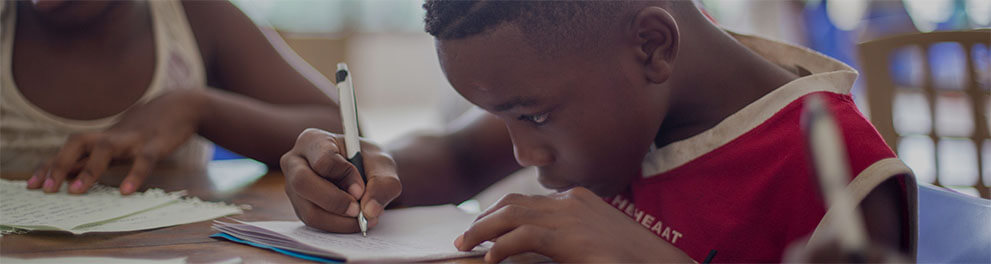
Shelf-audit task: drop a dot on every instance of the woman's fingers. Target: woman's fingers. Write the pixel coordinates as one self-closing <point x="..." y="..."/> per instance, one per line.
<point x="97" y="164"/>
<point x="143" y="164"/>
<point x="64" y="162"/>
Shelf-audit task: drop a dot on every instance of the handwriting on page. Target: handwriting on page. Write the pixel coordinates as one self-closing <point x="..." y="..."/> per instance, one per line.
<point x="178" y="212"/>
<point x="352" y="243"/>
<point x="32" y="208"/>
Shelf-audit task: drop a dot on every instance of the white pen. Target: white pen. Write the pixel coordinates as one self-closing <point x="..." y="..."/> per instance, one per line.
<point x="349" y="117"/>
<point x="829" y="158"/>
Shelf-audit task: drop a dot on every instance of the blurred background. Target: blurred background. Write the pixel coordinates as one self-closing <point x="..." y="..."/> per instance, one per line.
<point x="402" y="89"/>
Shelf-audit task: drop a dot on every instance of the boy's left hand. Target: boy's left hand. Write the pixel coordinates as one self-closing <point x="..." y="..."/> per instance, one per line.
<point x="572" y="226"/>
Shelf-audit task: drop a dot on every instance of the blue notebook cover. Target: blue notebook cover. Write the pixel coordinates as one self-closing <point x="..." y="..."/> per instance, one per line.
<point x="290" y="253"/>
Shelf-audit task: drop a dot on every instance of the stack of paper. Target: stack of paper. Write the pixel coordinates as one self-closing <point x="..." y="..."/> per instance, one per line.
<point x="101" y="209"/>
<point x="403" y="235"/>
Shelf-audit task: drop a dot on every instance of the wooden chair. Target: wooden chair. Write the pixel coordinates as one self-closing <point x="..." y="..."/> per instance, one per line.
<point x="875" y="58"/>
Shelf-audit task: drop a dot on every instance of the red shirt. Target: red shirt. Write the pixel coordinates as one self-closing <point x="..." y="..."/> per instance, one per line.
<point x="754" y="195"/>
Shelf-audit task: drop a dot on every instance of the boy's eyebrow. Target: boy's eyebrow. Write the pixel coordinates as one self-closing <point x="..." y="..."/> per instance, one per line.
<point x="514" y="103"/>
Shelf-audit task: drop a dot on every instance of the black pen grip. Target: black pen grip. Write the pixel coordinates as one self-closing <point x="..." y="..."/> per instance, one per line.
<point x="359" y="164"/>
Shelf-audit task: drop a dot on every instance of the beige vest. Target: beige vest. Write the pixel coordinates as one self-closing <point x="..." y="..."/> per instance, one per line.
<point x="30" y="136"/>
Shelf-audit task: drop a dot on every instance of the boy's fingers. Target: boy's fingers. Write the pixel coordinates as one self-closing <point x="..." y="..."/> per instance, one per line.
<point x="526" y="238"/>
<point x="303" y="182"/>
<point x="350" y="178"/>
<point x="381" y="191"/>
<point x="496" y="224"/>
<point x="381" y="171"/>
<point x="351" y="182"/>
<point x="509" y="199"/>
<point x="333" y="166"/>
<point x="143" y="164"/>
<point x="314" y="216"/>
<point x="316" y="141"/>
<point x="318" y="147"/>
<point x="97" y="164"/>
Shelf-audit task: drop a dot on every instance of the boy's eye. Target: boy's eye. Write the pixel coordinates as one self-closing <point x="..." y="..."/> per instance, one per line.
<point x="538" y="119"/>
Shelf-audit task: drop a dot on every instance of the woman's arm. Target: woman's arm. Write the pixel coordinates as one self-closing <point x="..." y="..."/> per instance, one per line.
<point x="267" y="95"/>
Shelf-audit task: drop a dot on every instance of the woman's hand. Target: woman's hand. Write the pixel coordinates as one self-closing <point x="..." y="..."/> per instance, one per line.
<point x="144" y="134"/>
<point x="573" y="226"/>
<point x="326" y="190"/>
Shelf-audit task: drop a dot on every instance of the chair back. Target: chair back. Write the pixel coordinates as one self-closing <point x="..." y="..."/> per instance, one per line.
<point x="881" y="91"/>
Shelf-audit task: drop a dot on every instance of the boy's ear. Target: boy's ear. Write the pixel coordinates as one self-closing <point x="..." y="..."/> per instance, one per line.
<point x="656" y="34"/>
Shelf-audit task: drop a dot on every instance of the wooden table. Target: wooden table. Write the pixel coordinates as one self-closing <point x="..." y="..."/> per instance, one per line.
<point x="264" y="193"/>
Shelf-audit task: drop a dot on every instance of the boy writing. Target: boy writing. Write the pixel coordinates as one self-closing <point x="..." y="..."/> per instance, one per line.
<point x="639" y="110"/>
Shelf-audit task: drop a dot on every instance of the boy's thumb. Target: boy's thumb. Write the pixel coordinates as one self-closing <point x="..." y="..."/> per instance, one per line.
<point x="380" y="192"/>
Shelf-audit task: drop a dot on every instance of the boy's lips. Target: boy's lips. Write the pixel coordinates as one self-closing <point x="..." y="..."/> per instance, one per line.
<point x="563" y="188"/>
<point x="557" y="187"/>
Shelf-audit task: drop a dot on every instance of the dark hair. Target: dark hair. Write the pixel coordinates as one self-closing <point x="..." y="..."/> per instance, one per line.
<point x="555" y="23"/>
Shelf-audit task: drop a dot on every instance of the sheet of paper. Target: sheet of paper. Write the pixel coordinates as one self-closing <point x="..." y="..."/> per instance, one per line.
<point x="89" y="260"/>
<point x="102" y="209"/>
<point x="105" y="260"/>
<point x="32" y="209"/>
<point x="404" y="235"/>
<point x="175" y="213"/>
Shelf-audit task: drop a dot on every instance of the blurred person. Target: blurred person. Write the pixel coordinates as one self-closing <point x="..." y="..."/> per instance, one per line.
<point x="89" y="84"/>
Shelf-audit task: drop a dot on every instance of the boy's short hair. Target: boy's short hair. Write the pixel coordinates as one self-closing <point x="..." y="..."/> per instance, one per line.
<point x="547" y="25"/>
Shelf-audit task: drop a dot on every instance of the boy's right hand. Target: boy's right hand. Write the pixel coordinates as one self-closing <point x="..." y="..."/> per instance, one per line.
<point x="326" y="191"/>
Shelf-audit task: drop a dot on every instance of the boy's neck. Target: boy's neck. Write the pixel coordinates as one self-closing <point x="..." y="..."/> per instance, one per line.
<point x="715" y="76"/>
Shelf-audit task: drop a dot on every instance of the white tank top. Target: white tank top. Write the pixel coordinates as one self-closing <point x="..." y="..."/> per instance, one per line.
<point x="30" y="135"/>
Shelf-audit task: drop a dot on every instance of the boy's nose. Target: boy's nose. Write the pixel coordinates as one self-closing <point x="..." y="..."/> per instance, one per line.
<point x="532" y="156"/>
<point x="529" y="150"/>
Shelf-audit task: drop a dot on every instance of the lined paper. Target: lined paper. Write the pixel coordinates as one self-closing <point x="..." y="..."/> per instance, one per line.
<point x="101" y="209"/>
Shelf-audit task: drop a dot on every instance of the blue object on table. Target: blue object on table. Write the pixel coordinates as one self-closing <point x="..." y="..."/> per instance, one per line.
<point x="953" y="227"/>
<point x="290" y="253"/>
<point x="220" y="153"/>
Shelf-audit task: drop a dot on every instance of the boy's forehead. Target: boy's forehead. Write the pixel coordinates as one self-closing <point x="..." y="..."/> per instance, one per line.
<point x="499" y="46"/>
<point x="499" y="68"/>
<point x="490" y="61"/>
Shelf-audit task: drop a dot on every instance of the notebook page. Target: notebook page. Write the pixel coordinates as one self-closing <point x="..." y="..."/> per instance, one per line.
<point x="403" y="235"/>
<point x="33" y="209"/>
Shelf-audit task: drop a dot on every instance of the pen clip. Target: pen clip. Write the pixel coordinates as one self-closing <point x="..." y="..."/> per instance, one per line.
<point x="349" y="110"/>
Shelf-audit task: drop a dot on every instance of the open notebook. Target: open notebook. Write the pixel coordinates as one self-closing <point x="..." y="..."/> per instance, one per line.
<point x="402" y="235"/>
